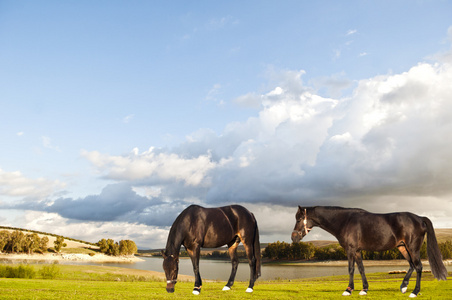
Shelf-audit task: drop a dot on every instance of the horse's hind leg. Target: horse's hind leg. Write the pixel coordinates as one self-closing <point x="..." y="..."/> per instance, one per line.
<point x="415" y="264"/>
<point x="418" y="266"/>
<point x="406" y="279"/>
<point x="235" y="262"/>
<point x="249" y="248"/>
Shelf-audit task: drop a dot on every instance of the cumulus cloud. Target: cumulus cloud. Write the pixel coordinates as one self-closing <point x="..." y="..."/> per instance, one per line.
<point x="113" y="202"/>
<point x="116" y="202"/>
<point x="152" y="164"/>
<point x="383" y="147"/>
<point x="389" y="137"/>
<point x="145" y="236"/>
<point x="17" y="185"/>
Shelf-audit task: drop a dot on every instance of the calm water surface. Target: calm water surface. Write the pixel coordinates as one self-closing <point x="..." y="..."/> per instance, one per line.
<point x="220" y="270"/>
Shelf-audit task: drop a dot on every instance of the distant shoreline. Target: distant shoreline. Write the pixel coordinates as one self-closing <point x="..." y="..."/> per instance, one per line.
<point x="102" y="258"/>
<point x="66" y="257"/>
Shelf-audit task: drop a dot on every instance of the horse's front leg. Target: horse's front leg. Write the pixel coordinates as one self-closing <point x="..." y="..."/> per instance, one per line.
<point x="359" y="262"/>
<point x="235" y="262"/>
<point x="351" y="272"/>
<point x="194" y="256"/>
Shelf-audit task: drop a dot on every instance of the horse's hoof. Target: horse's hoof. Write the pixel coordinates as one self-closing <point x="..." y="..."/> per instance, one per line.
<point x="363" y="293"/>
<point x="195" y="292"/>
<point x="249" y="290"/>
<point x="226" y="288"/>
<point x="413" y="295"/>
<point x="403" y="290"/>
<point x="346" y="293"/>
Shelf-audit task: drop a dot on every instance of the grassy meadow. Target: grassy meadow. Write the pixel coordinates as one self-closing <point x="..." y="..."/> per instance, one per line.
<point x="98" y="282"/>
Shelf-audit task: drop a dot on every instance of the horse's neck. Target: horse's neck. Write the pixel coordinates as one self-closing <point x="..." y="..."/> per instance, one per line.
<point x="174" y="242"/>
<point x="330" y="219"/>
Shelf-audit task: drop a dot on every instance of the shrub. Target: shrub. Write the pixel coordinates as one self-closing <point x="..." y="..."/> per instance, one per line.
<point x="50" y="271"/>
<point x="21" y="271"/>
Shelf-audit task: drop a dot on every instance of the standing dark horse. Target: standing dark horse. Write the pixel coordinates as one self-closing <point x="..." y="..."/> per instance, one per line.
<point x="357" y="229"/>
<point x="198" y="227"/>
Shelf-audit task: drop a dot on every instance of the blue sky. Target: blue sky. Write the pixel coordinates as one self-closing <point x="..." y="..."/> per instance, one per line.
<point x="116" y="115"/>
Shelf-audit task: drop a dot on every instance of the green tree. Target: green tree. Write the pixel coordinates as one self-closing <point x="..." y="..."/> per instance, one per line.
<point x="16" y="242"/>
<point x="127" y="247"/>
<point x="59" y="243"/>
<point x="4" y="238"/>
<point x="113" y="248"/>
<point x="43" y="244"/>
<point x="31" y="243"/>
<point x="103" y="246"/>
<point x="302" y="250"/>
<point x="446" y="249"/>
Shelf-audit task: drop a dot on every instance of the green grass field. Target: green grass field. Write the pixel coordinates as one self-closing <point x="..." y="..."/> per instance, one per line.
<point x="97" y="282"/>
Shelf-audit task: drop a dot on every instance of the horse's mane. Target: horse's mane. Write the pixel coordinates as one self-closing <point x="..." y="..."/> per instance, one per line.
<point x="340" y="208"/>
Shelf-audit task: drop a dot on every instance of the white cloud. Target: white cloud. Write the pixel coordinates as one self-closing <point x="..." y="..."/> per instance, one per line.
<point x="383" y="147"/>
<point x="213" y="93"/>
<point x="17" y="185"/>
<point x="387" y="138"/>
<point x="145" y="236"/>
<point x="47" y="143"/>
<point x="351" y="32"/>
<point x="251" y="100"/>
<point x="151" y="163"/>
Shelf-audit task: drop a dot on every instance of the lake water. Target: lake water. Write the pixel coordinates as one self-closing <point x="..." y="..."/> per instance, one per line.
<point x="220" y="270"/>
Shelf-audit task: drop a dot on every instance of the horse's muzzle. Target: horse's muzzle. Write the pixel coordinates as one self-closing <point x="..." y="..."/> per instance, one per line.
<point x="297" y="236"/>
<point x="170" y="286"/>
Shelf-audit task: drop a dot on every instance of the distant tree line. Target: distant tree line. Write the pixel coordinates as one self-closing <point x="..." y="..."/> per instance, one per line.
<point x="307" y="251"/>
<point x="124" y="247"/>
<point x="45" y="233"/>
<point x="18" y="242"/>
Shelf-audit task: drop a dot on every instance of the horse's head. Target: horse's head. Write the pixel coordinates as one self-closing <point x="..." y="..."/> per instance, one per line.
<point x="302" y="226"/>
<point x="171" y="268"/>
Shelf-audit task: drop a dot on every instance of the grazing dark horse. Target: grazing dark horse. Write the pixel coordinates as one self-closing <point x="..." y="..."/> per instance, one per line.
<point x="198" y="227"/>
<point x="357" y="229"/>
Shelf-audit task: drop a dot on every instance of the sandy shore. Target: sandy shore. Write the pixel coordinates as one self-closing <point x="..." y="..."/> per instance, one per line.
<point x="52" y="257"/>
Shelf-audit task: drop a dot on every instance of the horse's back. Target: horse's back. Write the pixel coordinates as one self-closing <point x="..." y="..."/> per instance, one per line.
<point x="385" y="231"/>
<point x="217" y="226"/>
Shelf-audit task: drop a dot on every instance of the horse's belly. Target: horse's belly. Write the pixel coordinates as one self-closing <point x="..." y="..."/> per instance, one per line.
<point x="378" y="244"/>
<point x="217" y="237"/>
<point x="215" y="242"/>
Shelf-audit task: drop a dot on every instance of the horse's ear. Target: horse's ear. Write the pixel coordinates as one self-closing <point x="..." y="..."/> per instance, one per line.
<point x="299" y="208"/>
<point x="163" y="254"/>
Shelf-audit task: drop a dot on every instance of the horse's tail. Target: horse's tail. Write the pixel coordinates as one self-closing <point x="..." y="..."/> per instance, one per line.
<point x="257" y="250"/>
<point x="435" y="258"/>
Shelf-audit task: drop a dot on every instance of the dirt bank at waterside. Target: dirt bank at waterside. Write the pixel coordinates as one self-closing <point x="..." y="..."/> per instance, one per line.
<point x="55" y="257"/>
